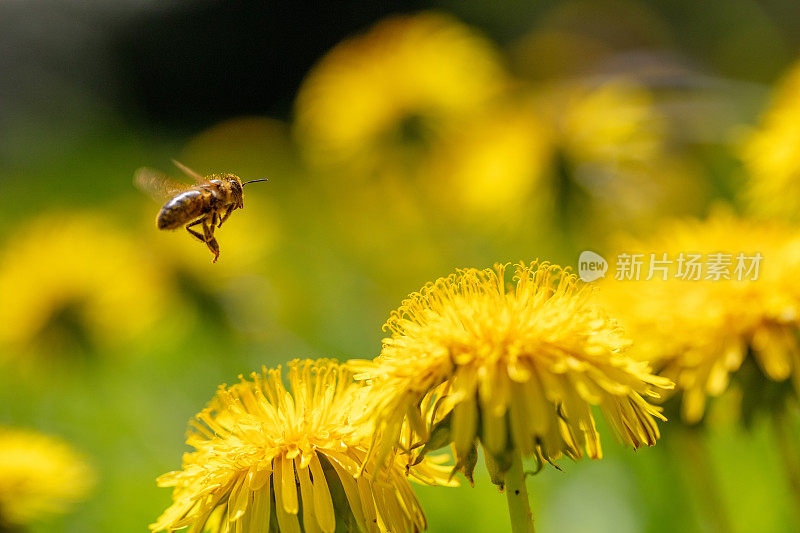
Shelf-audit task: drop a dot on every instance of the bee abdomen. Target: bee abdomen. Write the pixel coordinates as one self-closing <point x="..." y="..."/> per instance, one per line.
<point x="181" y="210"/>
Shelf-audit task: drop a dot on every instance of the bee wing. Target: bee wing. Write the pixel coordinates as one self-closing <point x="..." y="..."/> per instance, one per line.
<point x="158" y="185"/>
<point x="189" y="172"/>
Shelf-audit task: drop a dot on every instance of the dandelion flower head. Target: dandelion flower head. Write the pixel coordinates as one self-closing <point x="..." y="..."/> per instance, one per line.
<point x="698" y="328"/>
<point x="516" y="368"/>
<point x="74" y="271"/>
<point x="271" y="459"/>
<point x="407" y="72"/>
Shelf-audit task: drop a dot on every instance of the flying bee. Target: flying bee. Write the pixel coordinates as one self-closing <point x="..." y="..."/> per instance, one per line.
<point x="208" y="203"/>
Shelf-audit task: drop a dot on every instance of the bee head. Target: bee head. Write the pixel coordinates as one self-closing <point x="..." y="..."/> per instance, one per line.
<point x="236" y="187"/>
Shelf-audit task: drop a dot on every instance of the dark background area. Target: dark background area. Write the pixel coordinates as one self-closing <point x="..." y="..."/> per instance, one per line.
<point x="185" y="65"/>
<point x="198" y="62"/>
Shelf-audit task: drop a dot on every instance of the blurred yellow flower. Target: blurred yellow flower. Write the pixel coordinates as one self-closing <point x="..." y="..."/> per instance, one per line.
<point x="496" y="163"/>
<point x="250" y="147"/>
<point x="516" y="368"/>
<point x="39" y="476"/>
<point x="771" y="156"/>
<point x="259" y="443"/>
<point x="613" y="161"/>
<point x="73" y="276"/>
<point x="698" y="332"/>
<point x="612" y="122"/>
<point x="392" y="86"/>
<point x="599" y="151"/>
<point x="373" y="110"/>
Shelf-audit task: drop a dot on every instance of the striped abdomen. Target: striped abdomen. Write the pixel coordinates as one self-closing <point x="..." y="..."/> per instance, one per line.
<point x="182" y="209"/>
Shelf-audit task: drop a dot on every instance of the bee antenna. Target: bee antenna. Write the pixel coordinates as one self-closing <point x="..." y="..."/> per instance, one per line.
<point x="253" y="181"/>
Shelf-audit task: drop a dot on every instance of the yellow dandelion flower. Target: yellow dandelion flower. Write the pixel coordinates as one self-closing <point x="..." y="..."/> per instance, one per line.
<point x="73" y="277"/>
<point x="405" y="77"/>
<point x="271" y="459"/>
<point x="699" y="332"/>
<point x="516" y="368"/>
<point x="771" y="157"/>
<point x="39" y="476"/>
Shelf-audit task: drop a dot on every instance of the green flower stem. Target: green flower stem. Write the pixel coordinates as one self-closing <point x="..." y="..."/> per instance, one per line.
<point x="789" y="450"/>
<point x="519" y="508"/>
<point x="702" y="481"/>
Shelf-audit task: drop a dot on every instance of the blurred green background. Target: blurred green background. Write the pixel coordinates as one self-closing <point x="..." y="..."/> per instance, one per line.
<point x="449" y="134"/>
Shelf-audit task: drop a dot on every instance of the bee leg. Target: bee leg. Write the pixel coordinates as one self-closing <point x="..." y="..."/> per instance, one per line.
<point x="211" y="242"/>
<point x="228" y="212"/>
<point x="193" y="232"/>
<point x="214" y="247"/>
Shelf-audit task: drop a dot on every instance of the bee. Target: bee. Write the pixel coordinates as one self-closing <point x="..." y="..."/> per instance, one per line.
<point x="208" y="203"/>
